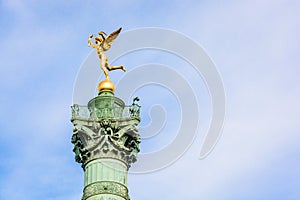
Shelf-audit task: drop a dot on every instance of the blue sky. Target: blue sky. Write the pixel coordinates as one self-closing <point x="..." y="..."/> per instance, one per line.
<point x="255" y="45"/>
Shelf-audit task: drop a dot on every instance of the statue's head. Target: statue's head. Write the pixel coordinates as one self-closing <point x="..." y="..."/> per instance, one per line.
<point x="98" y="40"/>
<point x="101" y="33"/>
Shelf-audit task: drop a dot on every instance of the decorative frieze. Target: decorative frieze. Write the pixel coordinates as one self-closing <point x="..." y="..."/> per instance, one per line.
<point x="105" y="187"/>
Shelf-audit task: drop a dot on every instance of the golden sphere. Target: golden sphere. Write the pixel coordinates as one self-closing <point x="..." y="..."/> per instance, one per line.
<point x="106" y="85"/>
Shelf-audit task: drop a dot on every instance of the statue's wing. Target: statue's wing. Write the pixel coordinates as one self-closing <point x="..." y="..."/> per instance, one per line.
<point x="110" y="39"/>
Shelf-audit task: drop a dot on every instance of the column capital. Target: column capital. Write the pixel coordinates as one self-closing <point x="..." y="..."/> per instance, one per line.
<point x="106" y="138"/>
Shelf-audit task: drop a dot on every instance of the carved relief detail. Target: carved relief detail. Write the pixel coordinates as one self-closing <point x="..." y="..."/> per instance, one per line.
<point x="106" y="138"/>
<point x="105" y="187"/>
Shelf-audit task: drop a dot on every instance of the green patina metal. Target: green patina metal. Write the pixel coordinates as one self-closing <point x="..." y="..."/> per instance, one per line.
<point x="106" y="143"/>
<point x="106" y="106"/>
<point x="106" y="187"/>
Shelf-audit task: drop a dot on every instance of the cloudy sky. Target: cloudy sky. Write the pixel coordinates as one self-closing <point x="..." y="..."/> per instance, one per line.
<point x="255" y="46"/>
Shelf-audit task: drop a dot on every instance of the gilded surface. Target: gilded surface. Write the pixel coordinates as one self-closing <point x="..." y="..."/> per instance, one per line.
<point x="103" y="43"/>
<point x="106" y="85"/>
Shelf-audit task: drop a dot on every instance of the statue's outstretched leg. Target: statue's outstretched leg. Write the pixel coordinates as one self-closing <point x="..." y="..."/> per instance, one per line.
<point x="110" y="68"/>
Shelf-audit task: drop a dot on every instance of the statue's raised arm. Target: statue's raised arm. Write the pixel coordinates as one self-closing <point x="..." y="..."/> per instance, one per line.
<point x="103" y="43"/>
<point x="90" y="43"/>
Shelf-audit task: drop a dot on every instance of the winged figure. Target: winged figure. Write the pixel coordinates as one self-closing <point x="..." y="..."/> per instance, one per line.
<point x="103" y="43"/>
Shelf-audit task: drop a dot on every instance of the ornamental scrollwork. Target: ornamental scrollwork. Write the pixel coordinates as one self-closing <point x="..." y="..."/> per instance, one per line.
<point x="116" y="138"/>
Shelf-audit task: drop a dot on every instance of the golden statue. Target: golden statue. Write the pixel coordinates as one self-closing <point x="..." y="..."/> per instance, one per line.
<point x="102" y="44"/>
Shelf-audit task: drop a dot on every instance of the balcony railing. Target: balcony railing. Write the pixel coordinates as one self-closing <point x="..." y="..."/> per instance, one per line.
<point x="116" y="112"/>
